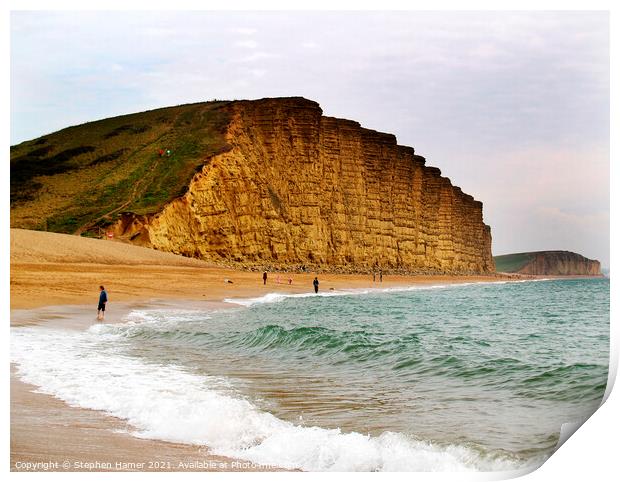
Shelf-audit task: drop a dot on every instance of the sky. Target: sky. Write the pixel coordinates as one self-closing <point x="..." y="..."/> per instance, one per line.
<point x="513" y="107"/>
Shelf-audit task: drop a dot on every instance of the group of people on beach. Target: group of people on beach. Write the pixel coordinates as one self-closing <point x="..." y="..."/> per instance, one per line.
<point x="103" y="295"/>
<point x="278" y="279"/>
<point x="315" y="282"/>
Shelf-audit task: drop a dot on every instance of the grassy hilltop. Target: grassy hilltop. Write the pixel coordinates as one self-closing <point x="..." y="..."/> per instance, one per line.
<point x="512" y="263"/>
<point x="80" y="178"/>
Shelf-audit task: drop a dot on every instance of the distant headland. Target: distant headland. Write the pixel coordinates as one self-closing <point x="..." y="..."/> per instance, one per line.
<point x="559" y="263"/>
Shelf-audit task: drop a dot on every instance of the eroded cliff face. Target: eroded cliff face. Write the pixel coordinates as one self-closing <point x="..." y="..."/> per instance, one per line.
<point x="298" y="188"/>
<point x="561" y="263"/>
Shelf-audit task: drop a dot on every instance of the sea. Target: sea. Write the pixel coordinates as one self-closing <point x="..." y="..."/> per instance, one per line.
<point x="464" y="377"/>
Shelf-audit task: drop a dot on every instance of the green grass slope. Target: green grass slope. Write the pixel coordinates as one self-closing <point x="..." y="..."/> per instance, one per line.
<point x="80" y="178"/>
<point x="511" y="263"/>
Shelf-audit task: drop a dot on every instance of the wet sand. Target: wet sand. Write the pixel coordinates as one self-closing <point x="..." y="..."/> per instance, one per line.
<point x="48" y="435"/>
<point x="49" y="272"/>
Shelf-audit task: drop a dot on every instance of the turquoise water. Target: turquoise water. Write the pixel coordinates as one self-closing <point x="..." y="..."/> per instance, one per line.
<point x="491" y="369"/>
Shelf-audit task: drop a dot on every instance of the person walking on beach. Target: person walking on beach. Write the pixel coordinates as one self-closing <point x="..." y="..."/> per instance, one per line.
<point x="103" y="299"/>
<point x="374" y="275"/>
<point x="316" y="284"/>
<point x="264" y="277"/>
<point x="380" y="276"/>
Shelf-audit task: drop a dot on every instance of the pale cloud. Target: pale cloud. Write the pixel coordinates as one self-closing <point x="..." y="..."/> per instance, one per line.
<point x="248" y="44"/>
<point x="244" y="30"/>
<point x="485" y="51"/>
<point x="310" y="45"/>
<point x="257" y="56"/>
<point x="158" y="32"/>
<point x="258" y="72"/>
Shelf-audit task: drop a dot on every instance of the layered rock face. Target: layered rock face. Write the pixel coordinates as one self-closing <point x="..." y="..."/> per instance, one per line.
<point x="298" y="188"/>
<point x="561" y="263"/>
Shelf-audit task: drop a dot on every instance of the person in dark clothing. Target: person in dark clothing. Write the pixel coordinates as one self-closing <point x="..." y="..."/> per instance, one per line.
<point x="264" y="277"/>
<point x="380" y="276"/>
<point x="316" y="284"/>
<point x="103" y="299"/>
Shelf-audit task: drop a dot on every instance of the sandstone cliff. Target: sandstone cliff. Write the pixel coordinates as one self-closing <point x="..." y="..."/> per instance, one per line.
<point x="559" y="263"/>
<point x="297" y="188"/>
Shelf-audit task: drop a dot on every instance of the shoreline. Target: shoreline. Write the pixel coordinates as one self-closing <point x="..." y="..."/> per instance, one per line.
<point x="49" y="435"/>
<point x="45" y="290"/>
<point x="46" y="430"/>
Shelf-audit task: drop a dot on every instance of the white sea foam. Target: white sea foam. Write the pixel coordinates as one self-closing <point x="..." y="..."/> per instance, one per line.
<point x="155" y="319"/>
<point x="278" y="297"/>
<point x="91" y="370"/>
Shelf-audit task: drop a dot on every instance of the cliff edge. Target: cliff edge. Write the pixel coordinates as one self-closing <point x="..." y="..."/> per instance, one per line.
<point x="270" y="182"/>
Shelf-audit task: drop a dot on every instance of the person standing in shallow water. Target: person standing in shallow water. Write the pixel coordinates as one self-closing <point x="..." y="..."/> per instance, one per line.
<point x="264" y="277"/>
<point x="103" y="299"/>
<point x="316" y="284"/>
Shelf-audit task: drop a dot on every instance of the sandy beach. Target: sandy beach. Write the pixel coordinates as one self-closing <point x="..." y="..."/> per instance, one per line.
<point x="52" y="274"/>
